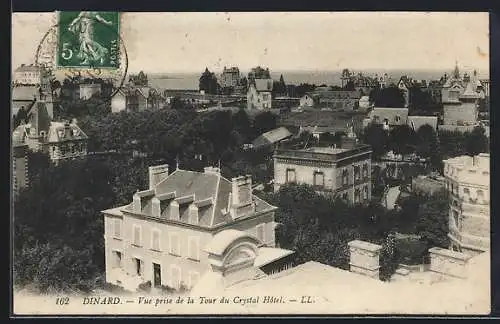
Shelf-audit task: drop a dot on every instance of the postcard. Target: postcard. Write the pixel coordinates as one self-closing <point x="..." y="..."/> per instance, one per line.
<point x="250" y="163"/>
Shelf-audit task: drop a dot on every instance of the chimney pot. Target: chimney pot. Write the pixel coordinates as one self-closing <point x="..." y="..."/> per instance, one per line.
<point x="157" y="174"/>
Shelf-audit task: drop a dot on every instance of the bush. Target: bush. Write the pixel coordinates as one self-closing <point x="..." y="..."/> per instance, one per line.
<point x="145" y="286"/>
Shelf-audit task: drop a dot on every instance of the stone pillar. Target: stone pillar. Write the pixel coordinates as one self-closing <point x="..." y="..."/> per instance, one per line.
<point x="364" y="258"/>
<point x="449" y="263"/>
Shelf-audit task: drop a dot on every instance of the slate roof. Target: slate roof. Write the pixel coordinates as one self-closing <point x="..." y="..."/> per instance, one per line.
<point x="272" y="137"/>
<point x="390" y="114"/>
<point x="469" y="92"/>
<point x="334" y="94"/>
<point x="27" y="68"/>
<point x="202" y="186"/>
<point x="418" y="121"/>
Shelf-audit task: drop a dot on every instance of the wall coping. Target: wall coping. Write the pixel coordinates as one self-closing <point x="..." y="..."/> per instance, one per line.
<point x="449" y="253"/>
<point x="363" y="245"/>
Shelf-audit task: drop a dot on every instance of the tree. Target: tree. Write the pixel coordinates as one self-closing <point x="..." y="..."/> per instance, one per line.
<point x="208" y="82"/>
<point x="349" y="86"/>
<point x="427" y="146"/>
<point x="375" y="136"/>
<point x="432" y="223"/>
<point x="304" y="88"/>
<point x="388" y="258"/>
<point x="264" y="122"/>
<point x="476" y="142"/>
<point x="242" y="125"/>
<point x="421" y="101"/>
<point x="402" y="140"/>
<point x="388" y="97"/>
<point x="20" y="117"/>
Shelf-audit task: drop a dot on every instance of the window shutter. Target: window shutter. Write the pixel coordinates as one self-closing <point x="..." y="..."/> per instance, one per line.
<point x="156" y="240"/>
<point x="260" y="232"/>
<point x="137" y="235"/>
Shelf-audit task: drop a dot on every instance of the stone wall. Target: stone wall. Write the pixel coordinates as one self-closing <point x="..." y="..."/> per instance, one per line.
<point x="364" y="258"/>
<point x="448" y="262"/>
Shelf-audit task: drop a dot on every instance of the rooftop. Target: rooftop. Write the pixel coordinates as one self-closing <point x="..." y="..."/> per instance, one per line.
<point x="28" y="68"/>
<point x="326" y="150"/>
<point x="196" y="187"/>
<point x="326" y="154"/>
<point x="271" y="137"/>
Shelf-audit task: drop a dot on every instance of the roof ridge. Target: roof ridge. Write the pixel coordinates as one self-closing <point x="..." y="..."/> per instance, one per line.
<point x="217" y="189"/>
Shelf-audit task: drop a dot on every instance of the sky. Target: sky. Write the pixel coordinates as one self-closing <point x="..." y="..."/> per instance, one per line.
<point x="292" y="41"/>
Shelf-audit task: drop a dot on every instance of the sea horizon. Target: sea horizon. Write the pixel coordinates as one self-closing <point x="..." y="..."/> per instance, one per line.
<point x="190" y="80"/>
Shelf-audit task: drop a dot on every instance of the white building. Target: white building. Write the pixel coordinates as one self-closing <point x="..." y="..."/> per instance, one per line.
<point x="28" y="75"/>
<point x="468" y="182"/>
<point x="259" y="95"/>
<point x="88" y="90"/>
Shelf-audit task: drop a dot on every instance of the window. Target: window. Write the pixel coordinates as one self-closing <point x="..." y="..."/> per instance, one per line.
<point x="194" y="276"/>
<point x="365" y="192"/>
<point x="194" y="248"/>
<point x="138" y="266"/>
<point x="175" y="276"/>
<point x="117" y="227"/>
<point x="356" y="196"/>
<point x="137" y="235"/>
<point x="344" y="196"/>
<point x="260" y="232"/>
<point x="290" y="175"/>
<point x="117" y="259"/>
<point x="365" y="171"/>
<point x="397" y="119"/>
<point x="319" y="179"/>
<point x="174" y="248"/>
<point x="155" y="240"/>
<point x="345" y="177"/>
<point x="480" y="195"/>
<point x="357" y="174"/>
<point x="455" y="218"/>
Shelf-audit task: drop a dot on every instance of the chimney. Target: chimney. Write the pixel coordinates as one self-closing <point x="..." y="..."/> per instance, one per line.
<point x="241" y="192"/>
<point x="364" y="258"/>
<point x="157" y="174"/>
<point x="211" y="170"/>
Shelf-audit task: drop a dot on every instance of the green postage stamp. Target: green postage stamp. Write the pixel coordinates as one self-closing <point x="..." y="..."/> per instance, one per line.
<point x="88" y="39"/>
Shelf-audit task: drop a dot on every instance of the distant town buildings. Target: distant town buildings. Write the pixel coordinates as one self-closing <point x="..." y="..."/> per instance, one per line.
<point x="468" y="184"/>
<point x="258" y="73"/>
<point x="460" y="96"/>
<point x="139" y="80"/>
<point x="343" y="172"/>
<point x="333" y="99"/>
<point x="131" y="98"/>
<point x="60" y="140"/>
<point x="259" y="94"/>
<point x="88" y="90"/>
<point x="230" y="77"/>
<point x="31" y="83"/>
<point x="388" y="117"/>
<point x="31" y="75"/>
<point x="171" y="232"/>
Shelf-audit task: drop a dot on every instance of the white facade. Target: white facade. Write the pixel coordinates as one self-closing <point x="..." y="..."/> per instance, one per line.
<point x="468" y="182"/>
<point x="87" y="91"/>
